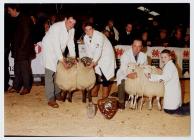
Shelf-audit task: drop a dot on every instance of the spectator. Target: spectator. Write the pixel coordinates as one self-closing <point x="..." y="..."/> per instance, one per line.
<point x="22" y="51"/>
<point x="145" y="41"/>
<point x="162" y="40"/>
<point x="177" y="40"/>
<point x="113" y="32"/>
<point x="126" y="38"/>
<point x="187" y="39"/>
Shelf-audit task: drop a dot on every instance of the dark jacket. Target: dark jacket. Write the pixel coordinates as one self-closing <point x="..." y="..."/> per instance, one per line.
<point x="22" y="44"/>
<point x="126" y="39"/>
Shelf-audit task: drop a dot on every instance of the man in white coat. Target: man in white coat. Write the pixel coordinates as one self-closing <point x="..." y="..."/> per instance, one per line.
<point x="59" y="36"/>
<point x="131" y="55"/>
<point x="172" y="95"/>
<point x="99" y="48"/>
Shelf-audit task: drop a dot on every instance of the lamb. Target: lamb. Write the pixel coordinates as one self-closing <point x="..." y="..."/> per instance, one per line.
<point x="151" y="89"/>
<point x="141" y="86"/>
<point x="132" y="86"/>
<point x="77" y="77"/>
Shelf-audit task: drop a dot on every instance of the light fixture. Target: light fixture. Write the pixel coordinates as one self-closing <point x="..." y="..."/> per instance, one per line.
<point x="154" y="13"/>
<point x="146" y="10"/>
<point x="150" y="18"/>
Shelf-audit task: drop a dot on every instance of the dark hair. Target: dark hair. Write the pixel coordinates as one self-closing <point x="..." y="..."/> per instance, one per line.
<point x="138" y="39"/>
<point x="69" y="16"/>
<point x="14" y="6"/>
<point x="88" y="24"/>
<point x="166" y="51"/>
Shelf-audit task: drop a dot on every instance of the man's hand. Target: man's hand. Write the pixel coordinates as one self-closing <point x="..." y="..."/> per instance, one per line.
<point x="132" y="75"/>
<point x="93" y="64"/>
<point x="66" y="66"/>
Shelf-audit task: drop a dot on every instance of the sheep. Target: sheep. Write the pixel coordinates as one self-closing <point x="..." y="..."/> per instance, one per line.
<point x="77" y="77"/>
<point x="65" y="79"/>
<point x="141" y="86"/>
<point x="86" y="78"/>
<point x="151" y="89"/>
<point x="132" y="86"/>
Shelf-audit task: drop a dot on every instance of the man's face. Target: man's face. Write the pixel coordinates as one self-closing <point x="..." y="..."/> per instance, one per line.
<point x="165" y="57"/>
<point x="12" y="12"/>
<point x="136" y="46"/>
<point x="70" y="23"/>
<point x="128" y="28"/>
<point x="89" y="30"/>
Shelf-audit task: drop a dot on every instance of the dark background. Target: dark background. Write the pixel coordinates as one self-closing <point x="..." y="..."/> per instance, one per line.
<point x="171" y="14"/>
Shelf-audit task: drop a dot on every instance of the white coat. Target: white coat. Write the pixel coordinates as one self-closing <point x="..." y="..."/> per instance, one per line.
<point x="54" y="44"/>
<point x="115" y="31"/>
<point x="172" y="95"/>
<point x="101" y="51"/>
<point x="127" y="58"/>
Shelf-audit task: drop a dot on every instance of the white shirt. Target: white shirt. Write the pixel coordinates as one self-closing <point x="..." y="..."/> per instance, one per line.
<point x="54" y="44"/>
<point x="101" y="51"/>
<point x="127" y="58"/>
<point x="172" y="95"/>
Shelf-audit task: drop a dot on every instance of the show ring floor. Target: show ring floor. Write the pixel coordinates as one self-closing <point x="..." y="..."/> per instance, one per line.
<point x="29" y="115"/>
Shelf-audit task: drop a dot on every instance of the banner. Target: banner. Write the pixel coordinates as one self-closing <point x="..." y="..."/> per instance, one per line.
<point x="181" y="58"/>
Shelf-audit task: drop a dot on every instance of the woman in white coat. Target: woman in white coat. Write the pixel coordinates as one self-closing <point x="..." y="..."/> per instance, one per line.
<point x="59" y="36"/>
<point x="172" y="95"/>
<point x="99" y="48"/>
<point x="131" y="55"/>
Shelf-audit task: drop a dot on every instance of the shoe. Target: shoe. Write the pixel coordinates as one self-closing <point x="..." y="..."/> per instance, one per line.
<point x="60" y="98"/>
<point x="121" y="105"/>
<point x="12" y="90"/>
<point x="53" y="104"/>
<point x="24" y="91"/>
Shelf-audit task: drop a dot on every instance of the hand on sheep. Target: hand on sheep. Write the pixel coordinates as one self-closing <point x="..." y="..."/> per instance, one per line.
<point x="66" y="65"/>
<point x="132" y="75"/>
<point x="148" y="75"/>
<point x="93" y="64"/>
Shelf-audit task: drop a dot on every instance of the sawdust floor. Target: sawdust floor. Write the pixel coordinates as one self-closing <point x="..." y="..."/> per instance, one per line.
<point x="29" y="115"/>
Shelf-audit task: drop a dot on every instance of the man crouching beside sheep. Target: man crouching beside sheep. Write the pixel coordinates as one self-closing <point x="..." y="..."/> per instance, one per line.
<point x="132" y="55"/>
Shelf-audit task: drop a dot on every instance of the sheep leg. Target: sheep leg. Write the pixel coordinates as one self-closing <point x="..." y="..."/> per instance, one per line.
<point x="158" y="101"/>
<point x="141" y="104"/>
<point x="150" y="103"/>
<point x="89" y="96"/>
<point x="84" y="93"/>
<point x="69" y="96"/>
<point x="131" y="104"/>
<point x="135" y="102"/>
<point x="126" y="103"/>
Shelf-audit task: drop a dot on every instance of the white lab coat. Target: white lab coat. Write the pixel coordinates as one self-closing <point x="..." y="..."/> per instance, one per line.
<point x="172" y="95"/>
<point x="54" y="44"/>
<point x="101" y="51"/>
<point x="115" y="31"/>
<point x="127" y="58"/>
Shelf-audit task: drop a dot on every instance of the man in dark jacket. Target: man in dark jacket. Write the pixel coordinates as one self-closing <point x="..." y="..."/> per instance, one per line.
<point x="22" y="50"/>
<point x="127" y="37"/>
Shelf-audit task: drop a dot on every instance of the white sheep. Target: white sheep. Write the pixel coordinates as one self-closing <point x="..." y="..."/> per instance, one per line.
<point x="152" y="89"/>
<point x="132" y="86"/>
<point x="77" y="77"/>
<point x="141" y="86"/>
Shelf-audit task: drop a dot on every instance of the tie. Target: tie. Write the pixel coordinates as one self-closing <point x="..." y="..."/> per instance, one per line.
<point x="90" y="39"/>
<point x="136" y="58"/>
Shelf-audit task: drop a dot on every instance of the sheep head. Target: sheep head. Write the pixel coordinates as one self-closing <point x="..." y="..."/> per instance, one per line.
<point x="70" y="61"/>
<point x="131" y="67"/>
<point x="86" y="61"/>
